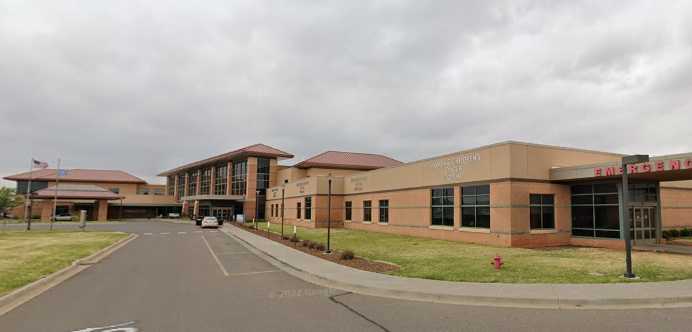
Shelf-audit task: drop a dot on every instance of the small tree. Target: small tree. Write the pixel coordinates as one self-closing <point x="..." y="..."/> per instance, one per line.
<point x="9" y="199"/>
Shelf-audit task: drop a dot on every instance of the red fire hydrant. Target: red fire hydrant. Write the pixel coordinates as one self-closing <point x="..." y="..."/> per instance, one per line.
<point x="497" y="262"/>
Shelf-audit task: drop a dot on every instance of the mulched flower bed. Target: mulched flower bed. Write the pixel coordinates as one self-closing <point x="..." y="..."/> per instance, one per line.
<point x="356" y="263"/>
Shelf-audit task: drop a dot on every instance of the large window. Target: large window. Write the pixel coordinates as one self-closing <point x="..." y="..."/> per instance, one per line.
<point x="442" y="206"/>
<point x="384" y="211"/>
<point x="220" y="179"/>
<point x="170" y="185"/>
<point x="367" y="211"/>
<point x="298" y="210"/>
<point x="348" y="210"/>
<point x="308" y="208"/>
<point x="475" y="206"/>
<point x="262" y="173"/>
<point x="192" y="185"/>
<point x="542" y="207"/>
<point x="181" y="185"/>
<point x="239" y="177"/>
<point x="595" y="210"/>
<point x="205" y="182"/>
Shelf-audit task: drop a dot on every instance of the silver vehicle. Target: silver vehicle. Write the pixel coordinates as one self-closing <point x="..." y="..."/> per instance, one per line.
<point x="210" y="222"/>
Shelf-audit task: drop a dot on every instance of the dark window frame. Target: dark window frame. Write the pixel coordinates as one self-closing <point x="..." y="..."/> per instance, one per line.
<point x="367" y="211"/>
<point x="221" y="179"/>
<point x="348" y="210"/>
<point x="239" y="178"/>
<point x="205" y="181"/>
<point x="308" y="208"/>
<point x="383" y="211"/>
<point x="595" y="198"/>
<point x="545" y="203"/>
<point x="442" y="205"/>
<point x="475" y="198"/>
<point x="298" y="210"/>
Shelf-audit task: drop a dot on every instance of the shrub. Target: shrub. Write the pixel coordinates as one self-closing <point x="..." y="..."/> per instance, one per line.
<point x="284" y="237"/>
<point x="686" y="232"/>
<point x="674" y="233"/>
<point x="347" y="255"/>
<point x="306" y="243"/>
<point x="294" y="238"/>
<point x="666" y="235"/>
<point x="312" y="245"/>
<point x="319" y="246"/>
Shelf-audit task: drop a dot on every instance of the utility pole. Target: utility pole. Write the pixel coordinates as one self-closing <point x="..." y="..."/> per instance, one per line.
<point x="27" y="205"/>
<point x="283" y="194"/>
<point x="329" y="215"/>
<point x="55" y="196"/>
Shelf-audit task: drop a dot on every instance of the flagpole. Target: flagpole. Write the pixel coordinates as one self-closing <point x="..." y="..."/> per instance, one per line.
<point x="27" y="208"/>
<point x="55" y="197"/>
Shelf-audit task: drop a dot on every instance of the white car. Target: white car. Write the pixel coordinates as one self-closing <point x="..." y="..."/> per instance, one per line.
<point x="63" y="217"/>
<point x="210" y="222"/>
<point x="174" y="215"/>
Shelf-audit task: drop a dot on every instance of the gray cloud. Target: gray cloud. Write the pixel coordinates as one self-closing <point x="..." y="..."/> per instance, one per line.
<point x="146" y="86"/>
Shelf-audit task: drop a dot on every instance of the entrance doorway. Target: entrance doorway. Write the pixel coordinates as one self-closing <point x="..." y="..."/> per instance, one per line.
<point x="222" y="213"/>
<point x="643" y="221"/>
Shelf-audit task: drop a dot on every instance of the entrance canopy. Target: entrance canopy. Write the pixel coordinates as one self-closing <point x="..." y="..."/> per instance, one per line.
<point x="663" y="168"/>
<point x="76" y="191"/>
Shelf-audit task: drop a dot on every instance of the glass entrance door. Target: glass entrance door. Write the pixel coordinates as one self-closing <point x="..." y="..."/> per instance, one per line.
<point x="222" y="213"/>
<point x="643" y="221"/>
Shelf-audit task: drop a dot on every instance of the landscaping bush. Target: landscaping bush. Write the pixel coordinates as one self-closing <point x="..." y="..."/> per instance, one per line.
<point x="312" y="245"/>
<point x="306" y="243"/>
<point x="674" y="233"/>
<point x="294" y="238"/>
<point x="319" y="246"/>
<point x="347" y="255"/>
<point x="686" y="232"/>
<point x="666" y="235"/>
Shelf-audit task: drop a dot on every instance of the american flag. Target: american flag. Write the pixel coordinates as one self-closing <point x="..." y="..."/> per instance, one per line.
<point x="40" y="164"/>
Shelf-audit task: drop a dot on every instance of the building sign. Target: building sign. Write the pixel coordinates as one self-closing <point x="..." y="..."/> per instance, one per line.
<point x="653" y="166"/>
<point x="452" y="168"/>
<point x="275" y="192"/>
<point x="358" y="182"/>
<point x="301" y="186"/>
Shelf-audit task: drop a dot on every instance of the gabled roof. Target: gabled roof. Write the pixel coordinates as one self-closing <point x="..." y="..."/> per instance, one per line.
<point x="78" y="175"/>
<point x="76" y="191"/>
<point x="349" y="160"/>
<point x="257" y="150"/>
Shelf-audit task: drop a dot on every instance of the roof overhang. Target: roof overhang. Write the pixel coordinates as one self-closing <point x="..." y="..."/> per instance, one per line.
<point x="676" y="167"/>
<point x="249" y="151"/>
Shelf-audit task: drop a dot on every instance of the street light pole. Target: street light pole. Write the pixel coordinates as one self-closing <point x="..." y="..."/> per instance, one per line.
<point x="626" y="161"/>
<point x="283" y="195"/>
<point x="329" y="215"/>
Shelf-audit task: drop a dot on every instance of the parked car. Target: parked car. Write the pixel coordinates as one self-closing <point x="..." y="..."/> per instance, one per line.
<point x="174" y="215"/>
<point x="63" y="217"/>
<point x="198" y="221"/>
<point x="210" y="222"/>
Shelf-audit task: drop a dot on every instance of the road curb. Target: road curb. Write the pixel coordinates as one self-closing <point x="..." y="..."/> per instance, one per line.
<point x="22" y="295"/>
<point x="511" y="302"/>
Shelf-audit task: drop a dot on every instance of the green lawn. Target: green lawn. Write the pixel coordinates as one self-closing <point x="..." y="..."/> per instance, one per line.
<point x="28" y="256"/>
<point x="457" y="261"/>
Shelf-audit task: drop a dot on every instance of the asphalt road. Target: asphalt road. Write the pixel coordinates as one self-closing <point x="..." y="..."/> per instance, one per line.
<point x="175" y="277"/>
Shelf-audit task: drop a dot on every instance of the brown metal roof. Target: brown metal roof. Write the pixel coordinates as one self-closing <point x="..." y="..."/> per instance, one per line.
<point x="78" y="175"/>
<point x="349" y="160"/>
<point x="257" y="150"/>
<point x="76" y="191"/>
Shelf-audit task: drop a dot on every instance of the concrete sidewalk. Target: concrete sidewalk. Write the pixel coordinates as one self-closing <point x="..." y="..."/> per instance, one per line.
<point x="567" y="296"/>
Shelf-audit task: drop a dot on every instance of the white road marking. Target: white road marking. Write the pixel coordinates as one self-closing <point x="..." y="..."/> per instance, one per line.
<point x="166" y="233"/>
<point x="182" y="232"/>
<point x="111" y="328"/>
<point x="251" y="273"/>
<point x="196" y="231"/>
<point x="223" y="269"/>
<point x="148" y="234"/>
<point x="235" y="253"/>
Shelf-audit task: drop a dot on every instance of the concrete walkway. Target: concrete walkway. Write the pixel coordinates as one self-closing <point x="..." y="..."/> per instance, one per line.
<point x="604" y="296"/>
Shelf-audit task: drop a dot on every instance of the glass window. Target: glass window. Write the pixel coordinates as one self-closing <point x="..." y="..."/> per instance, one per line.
<point x="595" y="210"/>
<point x="239" y="178"/>
<point x="298" y="210"/>
<point x="384" y="211"/>
<point x="442" y="206"/>
<point x="308" y="208"/>
<point x="475" y="206"/>
<point x="192" y="185"/>
<point x="181" y="185"/>
<point x="170" y="185"/>
<point x="347" y="210"/>
<point x="542" y="211"/>
<point x="220" y="179"/>
<point x="114" y="190"/>
<point x="367" y="211"/>
<point x="204" y="181"/>
<point x="263" y="173"/>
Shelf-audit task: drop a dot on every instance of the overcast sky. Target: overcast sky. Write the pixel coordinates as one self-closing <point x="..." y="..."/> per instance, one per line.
<point x="144" y="86"/>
